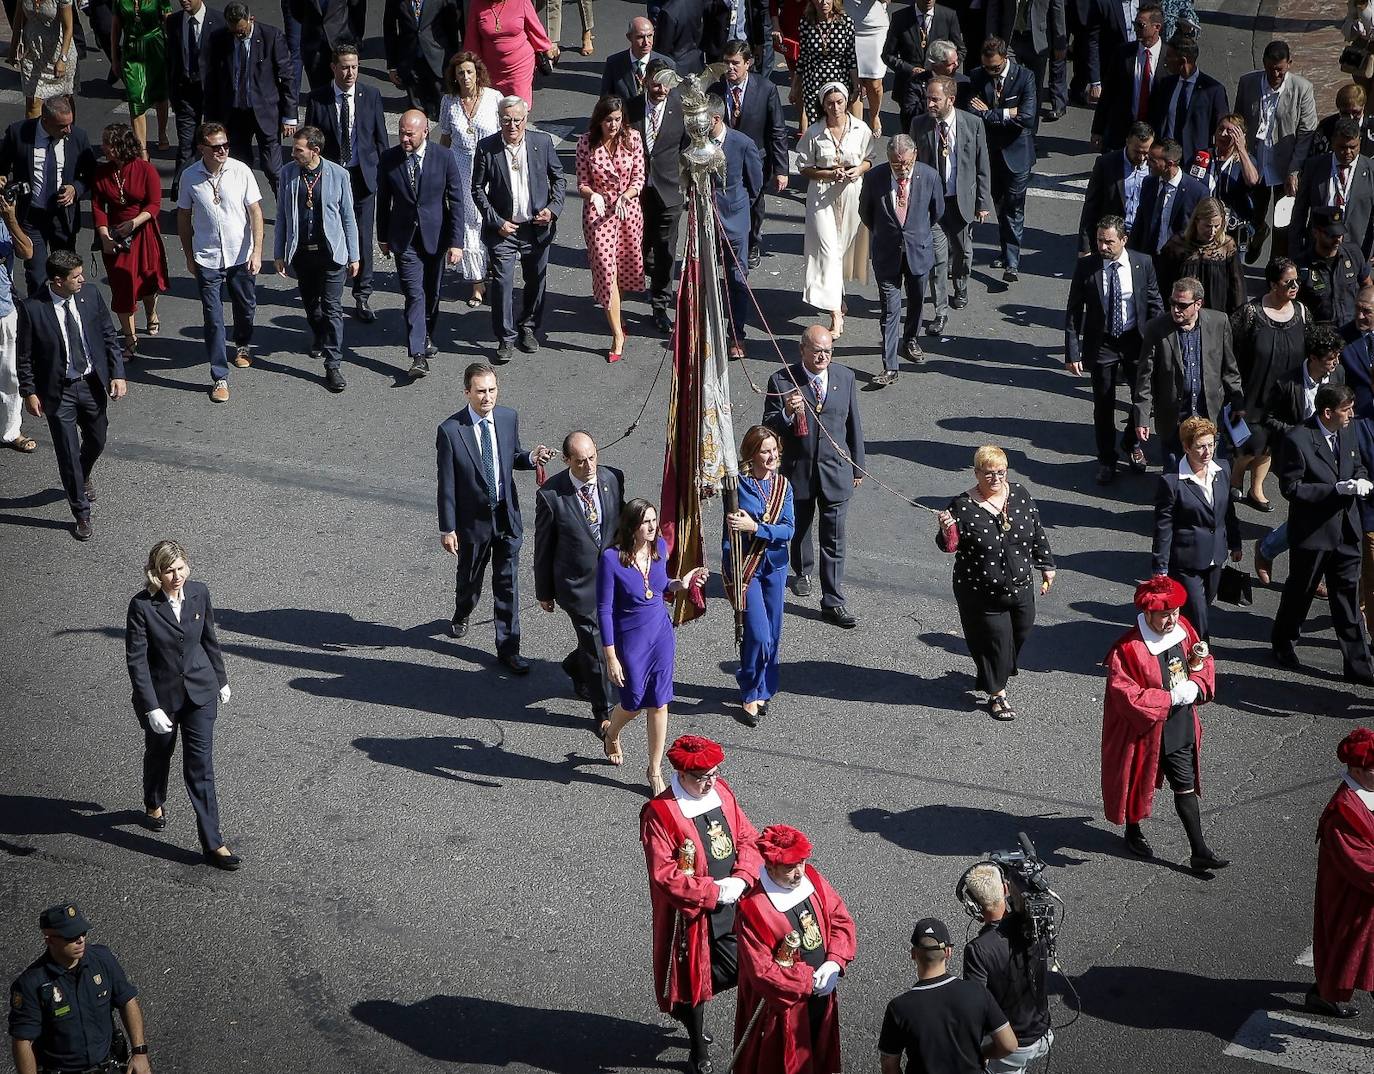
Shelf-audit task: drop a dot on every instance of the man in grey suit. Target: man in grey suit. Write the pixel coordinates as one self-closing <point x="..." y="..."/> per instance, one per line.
<point x="576" y="514"/>
<point x="956" y="145"/>
<point x="1187" y="368"/>
<point x="1280" y="112"/>
<point x="317" y="238"/>
<point x="901" y="204"/>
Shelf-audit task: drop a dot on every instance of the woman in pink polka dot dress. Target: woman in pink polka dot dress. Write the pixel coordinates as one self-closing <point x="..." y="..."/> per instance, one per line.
<point x="610" y="175"/>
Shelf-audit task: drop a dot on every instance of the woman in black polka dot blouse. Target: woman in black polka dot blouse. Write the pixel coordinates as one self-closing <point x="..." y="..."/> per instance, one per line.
<point x="994" y="531"/>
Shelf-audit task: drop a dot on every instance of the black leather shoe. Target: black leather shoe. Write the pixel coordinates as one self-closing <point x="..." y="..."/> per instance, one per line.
<point x="801" y="585"/>
<point x="937" y="326"/>
<point x="431" y="351"/>
<point x="763" y="709"/>
<point x="516" y="663"/>
<point x="504" y="353"/>
<point x="1054" y="115"/>
<point x="701" y="1066"/>
<point x="228" y="862"/>
<point x="1105" y="474"/>
<point x="839" y="615"/>
<point x="527" y="341"/>
<point x="663" y="323"/>
<point x="334" y="381"/>
<point x="1362" y="678"/>
<point x="959" y="301"/>
<point x="1316" y="1005"/>
<point x="1138" y="845"/>
<point x="458" y="628"/>
<point x="363" y="310"/>
<point x="754" y="260"/>
<point x="83" y="530"/>
<point x="1256" y="244"/>
<point x="1286" y="655"/>
<point x="419" y="366"/>
<point x="751" y="719"/>
<point x="155" y="824"/>
<point x="316" y="354"/>
<point x="1010" y="276"/>
<point x="997" y="262"/>
<point x="90" y="490"/>
<point x="1207" y="861"/>
<point x="912" y="349"/>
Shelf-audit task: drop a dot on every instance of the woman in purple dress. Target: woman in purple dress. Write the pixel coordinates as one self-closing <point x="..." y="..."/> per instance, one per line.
<point x="637" y="632"/>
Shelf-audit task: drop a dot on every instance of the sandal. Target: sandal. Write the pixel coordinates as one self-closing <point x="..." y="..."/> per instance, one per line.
<point x="655" y="777"/>
<point x="588" y="44"/>
<point x="611" y="747"/>
<point x="22" y="444"/>
<point x="1001" y="709"/>
<point x="154" y="325"/>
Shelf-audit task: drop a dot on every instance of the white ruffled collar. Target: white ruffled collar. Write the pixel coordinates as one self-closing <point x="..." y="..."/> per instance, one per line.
<point x="783" y="899"/>
<point x="691" y="805"/>
<point x="1158" y="643"/>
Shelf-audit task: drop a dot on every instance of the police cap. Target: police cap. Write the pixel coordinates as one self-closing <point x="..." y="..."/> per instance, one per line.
<point x="1330" y="219"/>
<point x="65" y="919"/>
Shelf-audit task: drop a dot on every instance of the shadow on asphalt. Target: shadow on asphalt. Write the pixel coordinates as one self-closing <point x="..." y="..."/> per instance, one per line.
<point x="29" y="816"/>
<point x="483" y="764"/>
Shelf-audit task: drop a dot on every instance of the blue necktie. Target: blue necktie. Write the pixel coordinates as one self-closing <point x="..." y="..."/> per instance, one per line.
<point x="1118" y="321"/>
<point x="489" y="462"/>
<point x="50" y="179"/>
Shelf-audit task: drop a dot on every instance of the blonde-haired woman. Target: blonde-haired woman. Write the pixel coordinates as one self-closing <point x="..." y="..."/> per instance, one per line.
<point x="177" y="671"/>
<point x="994" y="531"/>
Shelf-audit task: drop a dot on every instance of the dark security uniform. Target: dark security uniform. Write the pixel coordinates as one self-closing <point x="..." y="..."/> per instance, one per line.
<point x="1328" y="285"/>
<point x="67" y="1013"/>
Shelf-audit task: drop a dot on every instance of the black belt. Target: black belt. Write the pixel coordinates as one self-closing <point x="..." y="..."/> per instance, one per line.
<point x="67" y="382"/>
<point x="99" y="1068"/>
<point x="312" y="247"/>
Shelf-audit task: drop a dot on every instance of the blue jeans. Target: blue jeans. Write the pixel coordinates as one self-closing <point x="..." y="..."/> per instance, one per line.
<point x="1274" y="543"/>
<point x="243" y="296"/>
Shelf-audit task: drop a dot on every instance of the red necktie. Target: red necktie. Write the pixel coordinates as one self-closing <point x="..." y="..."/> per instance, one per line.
<point x="902" y="200"/>
<point x="1142" y="108"/>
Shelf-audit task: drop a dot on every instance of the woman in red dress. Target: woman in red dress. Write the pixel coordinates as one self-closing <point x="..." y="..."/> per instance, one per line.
<point x="125" y="200"/>
<point x="507" y="34"/>
<point x="610" y="175"/>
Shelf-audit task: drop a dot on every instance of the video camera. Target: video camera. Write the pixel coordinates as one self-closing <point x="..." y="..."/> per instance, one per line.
<point x="1043" y="908"/>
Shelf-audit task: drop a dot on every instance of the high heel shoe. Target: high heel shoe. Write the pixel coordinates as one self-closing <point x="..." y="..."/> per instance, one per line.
<point x="588" y="44"/>
<point x="611" y="747"/>
<point x="655" y="777"/>
<point x="617" y="349"/>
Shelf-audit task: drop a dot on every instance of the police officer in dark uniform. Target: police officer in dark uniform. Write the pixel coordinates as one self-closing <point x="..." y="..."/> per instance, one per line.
<point x="1332" y="271"/>
<point x="61" y="1007"/>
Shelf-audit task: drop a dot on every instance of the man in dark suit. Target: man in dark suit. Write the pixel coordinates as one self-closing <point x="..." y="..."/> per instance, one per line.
<point x="479" y="507"/>
<point x="901" y="204"/>
<point x="626" y="73"/>
<point x="519" y="221"/>
<point x="824" y="468"/>
<point x="1322" y="475"/>
<point x="326" y="24"/>
<point x="53" y="156"/>
<point x="189" y="32"/>
<point x="251" y="89"/>
<point x="1357" y="357"/>
<point x="752" y="107"/>
<point x="419" y="47"/>
<point x="1187" y="104"/>
<point x="1167" y="199"/>
<point x="69" y="366"/>
<point x="734" y="197"/>
<point x="1004" y="98"/>
<point x="679" y="31"/>
<point x="1112" y="296"/>
<point x="1187" y="368"/>
<point x="657" y="115"/>
<point x="1341" y="179"/>
<point x="354" y="123"/>
<point x="911" y="31"/>
<point x="1038" y="33"/>
<point x="576" y="514"/>
<point x="942" y="61"/>
<point x="420" y="216"/>
<point x="1128" y="73"/>
<point x="1115" y="185"/>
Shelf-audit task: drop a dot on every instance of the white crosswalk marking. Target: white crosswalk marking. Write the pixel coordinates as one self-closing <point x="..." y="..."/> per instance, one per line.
<point x="1286" y="1040"/>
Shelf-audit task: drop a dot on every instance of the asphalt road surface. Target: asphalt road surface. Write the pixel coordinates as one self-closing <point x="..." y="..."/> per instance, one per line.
<point x="441" y="872"/>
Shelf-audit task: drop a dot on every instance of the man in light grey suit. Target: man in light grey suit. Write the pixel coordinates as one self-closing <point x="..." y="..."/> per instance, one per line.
<point x="317" y="238"/>
<point x="1280" y="113"/>
<point x="956" y="146"/>
<point x="1187" y="369"/>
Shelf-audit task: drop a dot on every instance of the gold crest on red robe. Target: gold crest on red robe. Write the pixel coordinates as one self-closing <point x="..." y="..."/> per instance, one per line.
<point x="721" y="844"/>
<point x="811" y="931"/>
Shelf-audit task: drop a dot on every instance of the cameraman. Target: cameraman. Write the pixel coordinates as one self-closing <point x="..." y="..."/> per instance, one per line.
<point x="1006" y="956"/>
<point x="13" y="240"/>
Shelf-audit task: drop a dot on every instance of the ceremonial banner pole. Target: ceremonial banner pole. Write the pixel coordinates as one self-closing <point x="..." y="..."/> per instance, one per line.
<point x="785" y="954"/>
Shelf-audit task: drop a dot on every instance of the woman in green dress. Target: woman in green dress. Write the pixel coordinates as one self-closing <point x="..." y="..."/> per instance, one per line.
<point x="140" y="59"/>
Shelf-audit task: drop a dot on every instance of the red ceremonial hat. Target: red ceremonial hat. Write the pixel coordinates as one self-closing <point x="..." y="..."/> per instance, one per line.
<point x="1357" y="748"/>
<point x="1160" y="594"/>
<point x="782" y="845"/>
<point x="692" y="753"/>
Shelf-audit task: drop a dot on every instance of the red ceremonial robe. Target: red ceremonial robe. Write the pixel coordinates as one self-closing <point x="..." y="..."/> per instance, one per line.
<point x="780" y="1042"/>
<point x="1133" y="714"/>
<point x="662" y="829"/>
<point x="1343" y="916"/>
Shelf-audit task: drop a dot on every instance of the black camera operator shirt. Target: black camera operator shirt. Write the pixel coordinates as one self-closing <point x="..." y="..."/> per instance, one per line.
<point x="940" y="1024"/>
<point x="1017" y="984"/>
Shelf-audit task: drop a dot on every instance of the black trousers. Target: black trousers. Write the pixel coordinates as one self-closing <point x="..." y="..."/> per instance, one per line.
<point x="1201" y="587"/>
<point x="1045" y="68"/>
<point x="831" y="539"/>
<point x="660" y="242"/>
<point x="40" y="227"/>
<point x="756" y="210"/>
<point x="586" y="664"/>
<point x="1261" y="197"/>
<point x="423" y="90"/>
<point x="321" y="280"/>
<point x="187" y="112"/>
<point x="1114" y="367"/>
<point x="530" y="246"/>
<point x="197" y="725"/>
<point x="244" y="134"/>
<point x="78" y="427"/>
<point x="1340" y="569"/>
<point x="995" y="629"/>
<point x="503" y="553"/>
<point x="365" y="209"/>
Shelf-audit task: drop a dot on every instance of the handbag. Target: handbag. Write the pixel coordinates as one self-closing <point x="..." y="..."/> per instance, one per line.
<point x="543" y="63"/>
<point x="1235" y="587"/>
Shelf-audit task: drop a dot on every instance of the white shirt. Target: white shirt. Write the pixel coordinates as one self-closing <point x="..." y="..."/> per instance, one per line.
<point x="743" y="88"/>
<point x="42" y="146"/>
<point x="1335" y="184"/>
<point x="199" y="20"/>
<point x="1204" y="484"/>
<point x="951" y="181"/>
<point x="1127" y="290"/>
<point x="653" y="117"/>
<point x="518" y="160"/>
<point x="352" y="95"/>
<point x="176" y="602"/>
<point x="221" y="236"/>
<point x="1154" y="51"/>
<point x="1266" y="131"/>
<point x="820" y="382"/>
<point x="1129" y="10"/>
<point x="60" y="305"/>
<point x="1367" y="797"/>
<point x="477" y="421"/>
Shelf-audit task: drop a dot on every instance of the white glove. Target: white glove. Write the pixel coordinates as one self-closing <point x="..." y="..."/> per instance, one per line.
<point x="823" y="981"/>
<point x="224" y="693"/>
<point x="1348" y="487"/>
<point x="598" y="204"/>
<point x="159" y="721"/>
<point x="731" y="888"/>
<point x="1363" y="486"/>
<point x="1185" y="693"/>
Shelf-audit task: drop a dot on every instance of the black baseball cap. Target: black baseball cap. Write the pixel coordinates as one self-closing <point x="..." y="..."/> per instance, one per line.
<point x="65" y="920"/>
<point x="931" y="927"/>
<point x="1330" y="219"/>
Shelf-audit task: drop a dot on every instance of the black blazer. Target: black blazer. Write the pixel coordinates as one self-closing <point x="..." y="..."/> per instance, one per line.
<point x="432" y="218"/>
<point x="1206" y="106"/>
<point x="1314" y="189"/>
<point x="369" y="127"/>
<point x="463" y="504"/>
<point x="181" y="86"/>
<point x="618" y="78"/>
<point x="1319" y="518"/>
<point x="1116" y="110"/>
<point x="321" y="31"/>
<point x="1284" y="405"/>
<point x="1145" y="232"/>
<point x="170" y="662"/>
<point x="1190" y="533"/>
<point x="662" y="165"/>
<point x="761" y="121"/>
<point x="491" y="186"/>
<point x="40" y="356"/>
<point x="565" y="552"/>
<point x="1106" y="195"/>
<point x="78" y="170"/>
<point x="271" y="79"/>
<point x="679" y="31"/>
<point x="1085" y="316"/>
<point x="904" y="50"/>
<point x="811" y="463"/>
<point x="889" y="240"/>
<point x="421" y="48"/>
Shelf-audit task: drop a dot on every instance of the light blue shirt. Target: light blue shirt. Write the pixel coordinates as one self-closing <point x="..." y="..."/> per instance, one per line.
<point x="6" y="271"/>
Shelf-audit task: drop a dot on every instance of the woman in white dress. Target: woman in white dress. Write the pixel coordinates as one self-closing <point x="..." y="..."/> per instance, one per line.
<point x="42" y="47"/>
<point x="467" y="114"/>
<point x="833" y="155"/>
<point x="870" y="32"/>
